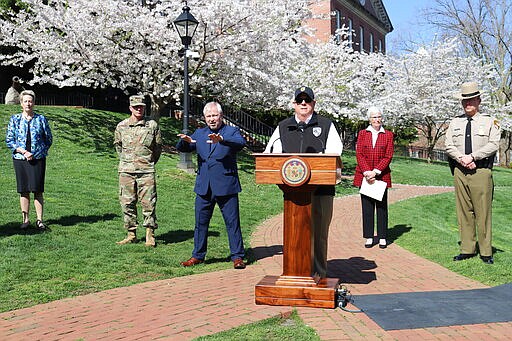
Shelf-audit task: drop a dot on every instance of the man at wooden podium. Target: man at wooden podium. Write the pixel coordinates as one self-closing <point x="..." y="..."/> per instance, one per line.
<point x="308" y="132"/>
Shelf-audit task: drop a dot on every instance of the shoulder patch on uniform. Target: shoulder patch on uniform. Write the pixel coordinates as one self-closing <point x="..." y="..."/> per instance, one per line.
<point x="496" y="124"/>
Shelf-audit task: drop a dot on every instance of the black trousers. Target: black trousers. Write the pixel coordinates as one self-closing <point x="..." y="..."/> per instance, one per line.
<point x="369" y="206"/>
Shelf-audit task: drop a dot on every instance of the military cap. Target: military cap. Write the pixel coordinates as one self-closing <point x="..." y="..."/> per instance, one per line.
<point x="137" y="100"/>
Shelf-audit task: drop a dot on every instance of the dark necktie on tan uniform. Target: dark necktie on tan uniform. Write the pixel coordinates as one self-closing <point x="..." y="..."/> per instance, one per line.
<point x="467" y="140"/>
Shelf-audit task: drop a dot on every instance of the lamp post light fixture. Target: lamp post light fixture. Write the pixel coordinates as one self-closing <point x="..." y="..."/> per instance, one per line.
<point x="186" y="26"/>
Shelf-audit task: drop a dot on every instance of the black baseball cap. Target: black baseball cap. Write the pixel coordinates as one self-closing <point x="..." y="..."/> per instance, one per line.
<point x="305" y="90"/>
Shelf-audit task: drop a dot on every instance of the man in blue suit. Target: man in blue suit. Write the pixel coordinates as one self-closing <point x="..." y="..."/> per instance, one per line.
<point x="217" y="182"/>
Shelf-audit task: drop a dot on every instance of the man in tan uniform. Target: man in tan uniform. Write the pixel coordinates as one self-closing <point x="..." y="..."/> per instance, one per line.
<point x="472" y="141"/>
<point x="139" y="144"/>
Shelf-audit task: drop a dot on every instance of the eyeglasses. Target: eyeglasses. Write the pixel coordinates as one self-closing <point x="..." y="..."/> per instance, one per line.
<point x="375" y="117"/>
<point x="303" y="99"/>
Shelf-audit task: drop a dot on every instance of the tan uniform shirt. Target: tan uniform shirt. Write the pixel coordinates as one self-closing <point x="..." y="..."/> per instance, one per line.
<point x="485" y="136"/>
<point x="139" y="145"/>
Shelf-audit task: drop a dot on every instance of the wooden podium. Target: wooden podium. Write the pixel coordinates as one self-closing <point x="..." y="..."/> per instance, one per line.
<point x="297" y="175"/>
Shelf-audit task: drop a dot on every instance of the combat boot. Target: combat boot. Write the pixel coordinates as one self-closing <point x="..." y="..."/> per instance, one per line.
<point x="130" y="238"/>
<point x="150" y="237"/>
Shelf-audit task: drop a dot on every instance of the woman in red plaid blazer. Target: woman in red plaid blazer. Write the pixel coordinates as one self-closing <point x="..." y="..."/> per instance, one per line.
<point x="374" y="152"/>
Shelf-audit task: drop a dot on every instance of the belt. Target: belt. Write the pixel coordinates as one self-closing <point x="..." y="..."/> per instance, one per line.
<point x="487" y="162"/>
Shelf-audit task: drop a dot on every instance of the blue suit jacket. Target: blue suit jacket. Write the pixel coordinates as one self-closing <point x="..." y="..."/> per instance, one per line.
<point x="216" y="162"/>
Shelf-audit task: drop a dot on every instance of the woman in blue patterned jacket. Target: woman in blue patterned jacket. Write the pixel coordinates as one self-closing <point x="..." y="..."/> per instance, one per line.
<point x="29" y="137"/>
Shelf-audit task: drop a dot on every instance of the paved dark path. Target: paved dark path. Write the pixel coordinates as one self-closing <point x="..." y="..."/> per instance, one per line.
<point x="187" y="307"/>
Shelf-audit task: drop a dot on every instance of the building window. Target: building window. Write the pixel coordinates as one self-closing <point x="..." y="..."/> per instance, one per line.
<point x="338" y="26"/>
<point x="371" y="43"/>
<point x="380" y="45"/>
<point x="361" y="38"/>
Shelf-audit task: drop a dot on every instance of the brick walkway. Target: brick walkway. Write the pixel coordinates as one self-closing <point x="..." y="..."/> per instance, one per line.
<point x="187" y="307"/>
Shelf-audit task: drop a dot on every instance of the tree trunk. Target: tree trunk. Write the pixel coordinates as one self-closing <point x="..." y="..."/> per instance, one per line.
<point x="157" y="109"/>
<point x="505" y="149"/>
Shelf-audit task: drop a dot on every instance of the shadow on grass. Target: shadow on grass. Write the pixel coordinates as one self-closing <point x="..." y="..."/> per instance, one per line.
<point x="75" y="219"/>
<point x="217" y="260"/>
<point x="396" y="231"/>
<point x="92" y="129"/>
<point x="177" y="236"/>
<point x="13" y="228"/>
<point x="495" y="250"/>
<point x="352" y="270"/>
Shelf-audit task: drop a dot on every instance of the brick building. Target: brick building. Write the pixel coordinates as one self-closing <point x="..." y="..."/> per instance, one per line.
<point x="367" y="19"/>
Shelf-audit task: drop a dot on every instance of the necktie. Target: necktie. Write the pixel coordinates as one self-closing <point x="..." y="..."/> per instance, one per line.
<point x="467" y="140"/>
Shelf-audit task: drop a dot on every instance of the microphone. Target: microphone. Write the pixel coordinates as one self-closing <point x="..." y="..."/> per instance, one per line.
<point x="272" y="146"/>
<point x="323" y="145"/>
<point x="301" y="126"/>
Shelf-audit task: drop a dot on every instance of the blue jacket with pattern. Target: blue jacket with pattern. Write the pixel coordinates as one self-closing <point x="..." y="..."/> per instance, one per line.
<point x="40" y="135"/>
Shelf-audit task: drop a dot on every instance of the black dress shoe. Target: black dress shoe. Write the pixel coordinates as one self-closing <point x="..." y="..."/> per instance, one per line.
<point x="463" y="256"/>
<point x="487" y="259"/>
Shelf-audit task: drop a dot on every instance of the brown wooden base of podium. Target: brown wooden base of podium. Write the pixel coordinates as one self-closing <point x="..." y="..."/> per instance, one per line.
<point x="298" y="176"/>
<point x="272" y="290"/>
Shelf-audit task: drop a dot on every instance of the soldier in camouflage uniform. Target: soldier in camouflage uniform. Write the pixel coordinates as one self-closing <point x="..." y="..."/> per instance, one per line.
<point x="139" y="144"/>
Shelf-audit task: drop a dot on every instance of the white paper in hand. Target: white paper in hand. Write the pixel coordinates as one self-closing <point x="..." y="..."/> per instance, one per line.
<point x="375" y="190"/>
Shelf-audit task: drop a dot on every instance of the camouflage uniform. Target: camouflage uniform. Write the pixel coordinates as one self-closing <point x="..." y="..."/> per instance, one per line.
<point x="139" y="145"/>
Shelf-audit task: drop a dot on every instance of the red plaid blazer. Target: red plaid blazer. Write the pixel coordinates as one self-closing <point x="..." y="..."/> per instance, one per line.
<point x="370" y="158"/>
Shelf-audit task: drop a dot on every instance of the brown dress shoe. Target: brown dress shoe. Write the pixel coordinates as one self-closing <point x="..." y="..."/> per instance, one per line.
<point x="192" y="261"/>
<point x="238" y="263"/>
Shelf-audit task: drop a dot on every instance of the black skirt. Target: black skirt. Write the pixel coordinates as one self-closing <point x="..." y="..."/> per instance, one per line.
<point x="30" y="175"/>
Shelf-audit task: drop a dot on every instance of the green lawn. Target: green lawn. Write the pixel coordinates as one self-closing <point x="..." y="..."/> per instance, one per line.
<point x="79" y="254"/>
<point x="289" y="328"/>
<point x="427" y="226"/>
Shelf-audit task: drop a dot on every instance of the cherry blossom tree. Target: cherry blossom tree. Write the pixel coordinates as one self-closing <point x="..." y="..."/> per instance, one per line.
<point x="252" y="53"/>
<point x="420" y="87"/>
<point x="243" y="46"/>
<point x="346" y="82"/>
<point x="484" y="28"/>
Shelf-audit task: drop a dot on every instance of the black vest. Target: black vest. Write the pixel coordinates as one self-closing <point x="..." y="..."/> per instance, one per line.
<point x="309" y="138"/>
<point x="306" y="138"/>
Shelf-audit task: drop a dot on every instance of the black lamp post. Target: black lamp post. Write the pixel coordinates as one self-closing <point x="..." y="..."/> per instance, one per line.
<point x="186" y="26"/>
